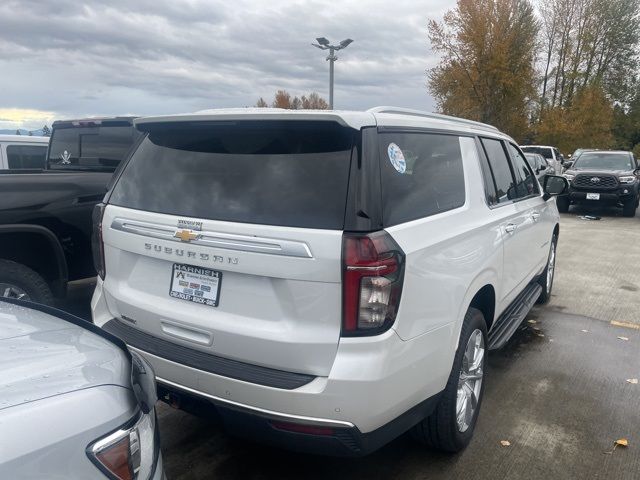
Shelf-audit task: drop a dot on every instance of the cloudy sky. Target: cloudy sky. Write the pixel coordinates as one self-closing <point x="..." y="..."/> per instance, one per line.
<point x="68" y="58"/>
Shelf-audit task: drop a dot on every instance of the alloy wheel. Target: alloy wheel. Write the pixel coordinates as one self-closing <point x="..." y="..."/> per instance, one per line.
<point x="470" y="380"/>
<point x="551" y="267"/>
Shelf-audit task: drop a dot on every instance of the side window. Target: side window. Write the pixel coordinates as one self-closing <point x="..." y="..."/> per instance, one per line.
<point x="26" y="156"/>
<point x="500" y="169"/>
<point x="526" y="184"/>
<point x="487" y="177"/>
<point x="421" y="175"/>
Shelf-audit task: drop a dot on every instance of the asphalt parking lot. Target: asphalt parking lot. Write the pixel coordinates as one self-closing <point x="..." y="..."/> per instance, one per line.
<point x="558" y="393"/>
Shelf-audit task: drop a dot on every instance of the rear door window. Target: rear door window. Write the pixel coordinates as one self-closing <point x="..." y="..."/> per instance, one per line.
<point x="285" y="173"/>
<point x="421" y="173"/>
<point x="26" y="156"/>
<point x="500" y="170"/>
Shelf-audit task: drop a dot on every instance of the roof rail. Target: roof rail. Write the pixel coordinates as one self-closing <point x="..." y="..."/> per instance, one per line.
<point x="438" y="116"/>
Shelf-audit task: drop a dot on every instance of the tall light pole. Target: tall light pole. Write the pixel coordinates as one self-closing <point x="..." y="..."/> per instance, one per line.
<point x="324" y="44"/>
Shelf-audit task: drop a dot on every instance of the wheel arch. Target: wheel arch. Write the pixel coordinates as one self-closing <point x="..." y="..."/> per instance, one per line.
<point x="480" y="294"/>
<point x="485" y="301"/>
<point x="39" y="249"/>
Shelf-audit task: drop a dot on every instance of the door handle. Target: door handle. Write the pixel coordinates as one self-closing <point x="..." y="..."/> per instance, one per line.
<point x="535" y="216"/>
<point x="510" y="228"/>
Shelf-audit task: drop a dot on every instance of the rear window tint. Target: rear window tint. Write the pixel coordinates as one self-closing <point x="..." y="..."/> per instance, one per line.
<point x="422" y="175"/>
<point x="275" y="173"/>
<point x="26" y="156"/>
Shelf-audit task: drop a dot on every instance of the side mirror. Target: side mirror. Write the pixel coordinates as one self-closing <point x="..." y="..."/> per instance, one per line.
<point x="554" y="185"/>
<point x="542" y="167"/>
<point x="568" y="164"/>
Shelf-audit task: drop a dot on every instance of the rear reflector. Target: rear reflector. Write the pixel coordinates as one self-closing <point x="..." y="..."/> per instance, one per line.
<point x="373" y="271"/>
<point x="301" y="428"/>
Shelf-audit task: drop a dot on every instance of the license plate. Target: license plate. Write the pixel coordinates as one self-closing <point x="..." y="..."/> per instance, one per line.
<point x="195" y="284"/>
<point x="593" y="196"/>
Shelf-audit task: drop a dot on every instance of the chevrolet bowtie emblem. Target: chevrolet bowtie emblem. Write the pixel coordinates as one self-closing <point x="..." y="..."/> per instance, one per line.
<point x="186" y="235"/>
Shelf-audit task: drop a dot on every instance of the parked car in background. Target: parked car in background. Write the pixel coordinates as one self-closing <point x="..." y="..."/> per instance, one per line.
<point x="19" y="152"/>
<point x="45" y="218"/>
<point x="609" y="177"/>
<point x="327" y="280"/>
<point x="579" y="151"/>
<point x="550" y="153"/>
<point x="74" y="402"/>
<point x="540" y="165"/>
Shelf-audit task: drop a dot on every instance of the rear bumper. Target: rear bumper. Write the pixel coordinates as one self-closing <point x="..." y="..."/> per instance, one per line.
<point x="326" y="437"/>
<point x="373" y="382"/>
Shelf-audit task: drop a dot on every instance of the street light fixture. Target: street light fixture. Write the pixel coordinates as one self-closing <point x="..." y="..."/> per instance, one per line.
<point x="324" y="44"/>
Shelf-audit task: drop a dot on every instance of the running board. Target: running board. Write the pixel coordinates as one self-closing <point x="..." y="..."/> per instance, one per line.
<point x="513" y="316"/>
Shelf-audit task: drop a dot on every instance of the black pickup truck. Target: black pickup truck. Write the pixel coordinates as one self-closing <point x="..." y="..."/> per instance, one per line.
<point x="603" y="177"/>
<point x="45" y="216"/>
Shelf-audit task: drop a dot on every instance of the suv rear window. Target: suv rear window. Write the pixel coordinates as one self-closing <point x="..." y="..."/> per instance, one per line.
<point x="285" y="173"/>
<point x="421" y="174"/>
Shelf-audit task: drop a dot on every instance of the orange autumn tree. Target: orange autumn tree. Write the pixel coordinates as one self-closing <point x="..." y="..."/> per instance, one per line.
<point x="586" y="123"/>
<point x="486" y="72"/>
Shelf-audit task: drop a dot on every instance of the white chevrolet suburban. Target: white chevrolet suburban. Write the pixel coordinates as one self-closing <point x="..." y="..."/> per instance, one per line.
<point x="327" y="280"/>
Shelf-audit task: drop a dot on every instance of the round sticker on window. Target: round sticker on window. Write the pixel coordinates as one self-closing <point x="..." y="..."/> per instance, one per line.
<point x="397" y="158"/>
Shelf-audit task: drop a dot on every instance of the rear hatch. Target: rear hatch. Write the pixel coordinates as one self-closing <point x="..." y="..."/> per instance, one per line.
<point x="226" y="237"/>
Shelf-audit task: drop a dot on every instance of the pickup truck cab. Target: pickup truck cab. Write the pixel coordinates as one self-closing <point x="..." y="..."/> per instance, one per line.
<point x="327" y="280"/>
<point x="19" y="152"/>
<point x="45" y="215"/>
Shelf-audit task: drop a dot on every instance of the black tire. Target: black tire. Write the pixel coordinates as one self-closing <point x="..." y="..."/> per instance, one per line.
<point x="629" y="208"/>
<point x="563" y="204"/>
<point x="545" y="282"/>
<point x="14" y="274"/>
<point x="440" y="430"/>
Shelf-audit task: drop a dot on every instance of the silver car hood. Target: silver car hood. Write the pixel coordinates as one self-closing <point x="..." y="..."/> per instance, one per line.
<point x="42" y="356"/>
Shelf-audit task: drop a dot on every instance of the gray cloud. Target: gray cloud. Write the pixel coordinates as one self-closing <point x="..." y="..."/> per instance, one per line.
<point x="145" y="57"/>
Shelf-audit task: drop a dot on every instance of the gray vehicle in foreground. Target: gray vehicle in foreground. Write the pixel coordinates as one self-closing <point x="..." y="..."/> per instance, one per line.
<point x="74" y="402"/>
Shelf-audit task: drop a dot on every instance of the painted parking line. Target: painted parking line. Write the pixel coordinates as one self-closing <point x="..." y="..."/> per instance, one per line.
<point x="634" y="326"/>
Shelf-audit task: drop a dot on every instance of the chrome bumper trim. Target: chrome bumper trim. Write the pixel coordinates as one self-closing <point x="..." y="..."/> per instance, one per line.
<point x="270" y="414"/>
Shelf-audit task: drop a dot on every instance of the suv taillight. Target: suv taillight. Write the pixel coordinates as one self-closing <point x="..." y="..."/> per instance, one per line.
<point x="372" y="275"/>
<point x="97" y="245"/>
